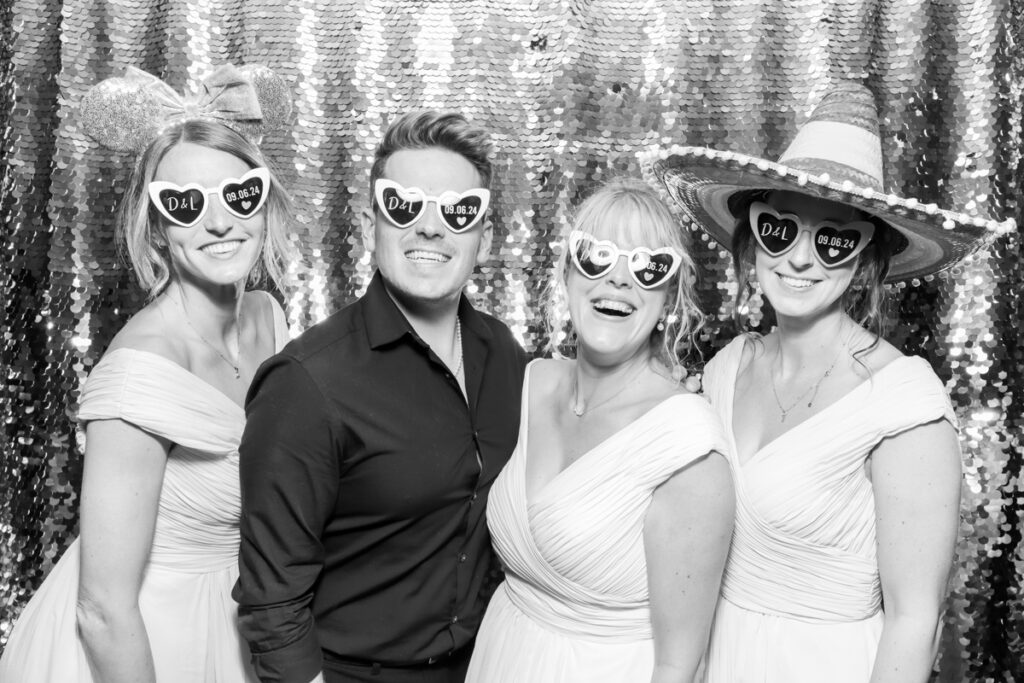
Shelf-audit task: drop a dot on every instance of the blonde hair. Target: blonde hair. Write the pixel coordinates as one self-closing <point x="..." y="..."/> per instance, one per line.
<point x="140" y="228"/>
<point x="628" y="204"/>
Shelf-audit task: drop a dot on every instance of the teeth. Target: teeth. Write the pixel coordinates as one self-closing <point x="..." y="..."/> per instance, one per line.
<point x="431" y="256"/>
<point x="796" y="282"/>
<point x="222" y="247"/>
<point x="613" y="307"/>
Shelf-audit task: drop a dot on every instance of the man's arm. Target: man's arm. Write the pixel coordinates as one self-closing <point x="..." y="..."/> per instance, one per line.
<point x="289" y="481"/>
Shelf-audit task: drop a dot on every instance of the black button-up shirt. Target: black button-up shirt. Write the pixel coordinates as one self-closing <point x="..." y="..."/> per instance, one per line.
<point x="364" y="474"/>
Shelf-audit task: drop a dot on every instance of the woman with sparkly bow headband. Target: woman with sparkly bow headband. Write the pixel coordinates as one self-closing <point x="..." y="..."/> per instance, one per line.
<point x="847" y="465"/>
<point x="617" y="486"/>
<point x="144" y="593"/>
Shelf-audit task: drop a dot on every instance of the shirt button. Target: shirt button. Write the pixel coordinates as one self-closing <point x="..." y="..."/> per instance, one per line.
<point x="462" y="557"/>
<point x="455" y="619"/>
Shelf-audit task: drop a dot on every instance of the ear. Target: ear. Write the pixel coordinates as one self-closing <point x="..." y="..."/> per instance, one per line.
<point x="483" y="251"/>
<point x="367" y="227"/>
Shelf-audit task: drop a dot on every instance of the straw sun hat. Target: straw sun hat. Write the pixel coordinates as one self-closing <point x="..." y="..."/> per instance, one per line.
<point x="836" y="155"/>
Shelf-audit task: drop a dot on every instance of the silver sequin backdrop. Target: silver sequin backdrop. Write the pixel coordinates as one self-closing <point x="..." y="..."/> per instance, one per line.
<point x="573" y="90"/>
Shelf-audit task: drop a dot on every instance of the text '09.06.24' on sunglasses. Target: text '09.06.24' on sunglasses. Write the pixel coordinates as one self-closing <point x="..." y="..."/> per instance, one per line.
<point x="834" y="243"/>
<point x="185" y="205"/>
<point x="594" y="258"/>
<point x="403" y="206"/>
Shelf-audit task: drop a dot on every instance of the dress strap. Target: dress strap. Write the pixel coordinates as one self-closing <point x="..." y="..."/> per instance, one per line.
<point x="161" y="397"/>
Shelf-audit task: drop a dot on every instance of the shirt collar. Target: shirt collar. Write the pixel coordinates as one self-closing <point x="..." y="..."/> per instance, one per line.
<point x="385" y="323"/>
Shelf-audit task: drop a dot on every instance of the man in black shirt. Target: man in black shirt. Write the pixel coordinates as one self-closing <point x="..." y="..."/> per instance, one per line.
<point x="371" y="441"/>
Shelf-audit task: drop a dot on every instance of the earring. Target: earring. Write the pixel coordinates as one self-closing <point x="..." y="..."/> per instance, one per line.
<point x="660" y="327"/>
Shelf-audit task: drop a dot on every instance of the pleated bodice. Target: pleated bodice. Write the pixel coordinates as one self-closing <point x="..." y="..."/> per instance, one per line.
<point x="197" y="518"/>
<point x="804" y="542"/>
<point x="575" y="554"/>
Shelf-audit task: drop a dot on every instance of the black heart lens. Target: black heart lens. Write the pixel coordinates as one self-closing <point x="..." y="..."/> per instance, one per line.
<point x="656" y="269"/>
<point x="185" y="207"/>
<point x="584" y="250"/>
<point x="401" y="211"/>
<point x="462" y="214"/>
<point x="244" y="198"/>
<point x="775" y="234"/>
<point x="835" y="246"/>
<point x="591" y="268"/>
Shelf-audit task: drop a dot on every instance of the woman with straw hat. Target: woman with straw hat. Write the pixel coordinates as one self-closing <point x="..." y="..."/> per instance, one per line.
<point x="845" y="453"/>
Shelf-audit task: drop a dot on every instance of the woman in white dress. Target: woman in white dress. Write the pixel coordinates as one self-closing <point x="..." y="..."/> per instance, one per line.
<point x="144" y="594"/>
<point x="847" y="464"/>
<point x="614" y="514"/>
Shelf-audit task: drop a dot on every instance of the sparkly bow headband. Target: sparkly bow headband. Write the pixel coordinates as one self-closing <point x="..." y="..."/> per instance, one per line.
<point x="126" y="112"/>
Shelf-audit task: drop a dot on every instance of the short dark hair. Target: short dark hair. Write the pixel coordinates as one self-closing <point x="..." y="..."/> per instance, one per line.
<point x="431" y="128"/>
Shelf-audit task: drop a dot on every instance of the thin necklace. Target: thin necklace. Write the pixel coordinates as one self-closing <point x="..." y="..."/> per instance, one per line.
<point x="812" y="390"/>
<point x="458" y="345"/>
<point x="235" y="365"/>
<point x="580" y="408"/>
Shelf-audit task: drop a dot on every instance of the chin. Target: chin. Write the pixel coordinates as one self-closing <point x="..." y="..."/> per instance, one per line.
<point x="610" y="351"/>
<point x="414" y="290"/>
<point x="220" y="273"/>
<point x="228" y="276"/>
<point x="802" y="310"/>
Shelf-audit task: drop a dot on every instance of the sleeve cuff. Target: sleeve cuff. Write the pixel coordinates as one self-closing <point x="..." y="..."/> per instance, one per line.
<point x="297" y="662"/>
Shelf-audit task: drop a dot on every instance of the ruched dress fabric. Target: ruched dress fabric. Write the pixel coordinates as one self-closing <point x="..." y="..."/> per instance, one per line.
<point x="185" y="598"/>
<point x="801" y="598"/>
<point x="574" y="604"/>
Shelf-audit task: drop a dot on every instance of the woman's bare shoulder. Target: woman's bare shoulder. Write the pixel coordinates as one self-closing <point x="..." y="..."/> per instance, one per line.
<point x="153" y="330"/>
<point x="873" y="358"/>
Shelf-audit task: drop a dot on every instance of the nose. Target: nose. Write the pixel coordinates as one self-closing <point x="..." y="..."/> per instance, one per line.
<point x="217" y="221"/>
<point x="802" y="254"/>
<point x="619" y="275"/>
<point x="430" y="224"/>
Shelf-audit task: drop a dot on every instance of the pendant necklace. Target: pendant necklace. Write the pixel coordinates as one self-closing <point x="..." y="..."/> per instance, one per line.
<point x="812" y="390"/>
<point x="236" y="364"/>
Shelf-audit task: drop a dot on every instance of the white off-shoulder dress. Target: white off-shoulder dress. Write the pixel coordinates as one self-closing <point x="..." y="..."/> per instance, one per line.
<point x="185" y="598"/>
<point x="801" y="598"/>
<point x="574" y="604"/>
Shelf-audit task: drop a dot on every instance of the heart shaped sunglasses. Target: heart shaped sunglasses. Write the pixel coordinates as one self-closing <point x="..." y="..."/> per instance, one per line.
<point x="186" y="205"/>
<point x="403" y="206"/>
<point x="595" y="258"/>
<point x="834" y="243"/>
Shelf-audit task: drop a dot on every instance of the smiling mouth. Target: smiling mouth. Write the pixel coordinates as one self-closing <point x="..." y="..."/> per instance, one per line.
<point x="797" y="282"/>
<point x="423" y="256"/>
<point x="222" y="248"/>
<point x="618" y="309"/>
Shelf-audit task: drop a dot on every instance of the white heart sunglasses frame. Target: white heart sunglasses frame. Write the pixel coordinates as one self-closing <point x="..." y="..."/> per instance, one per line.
<point x="158" y="186"/>
<point x="576" y="236"/>
<point x="447" y="198"/>
<point x="865" y="228"/>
